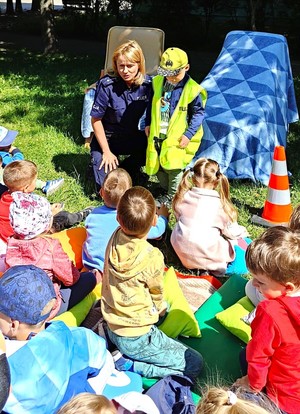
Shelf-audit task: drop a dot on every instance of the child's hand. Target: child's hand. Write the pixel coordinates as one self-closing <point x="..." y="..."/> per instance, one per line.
<point x="147" y="131"/>
<point x="243" y="382"/>
<point x="163" y="211"/>
<point x="12" y="148"/>
<point x="183" y="141"/>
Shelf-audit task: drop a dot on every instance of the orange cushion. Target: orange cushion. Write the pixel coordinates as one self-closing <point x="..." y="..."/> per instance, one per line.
<point x="72" y="241"/>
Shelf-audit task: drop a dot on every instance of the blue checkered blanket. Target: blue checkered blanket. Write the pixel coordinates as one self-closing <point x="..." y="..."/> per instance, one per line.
<point x="251" y="102"/>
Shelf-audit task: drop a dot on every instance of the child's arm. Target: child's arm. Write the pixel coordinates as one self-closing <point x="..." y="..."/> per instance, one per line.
<point x="234" y="231"/>
<point x="155" y="280"/>
<point x="161" y="225"/>
<point x="196" y="113"/>
<point x="63" y="268"/>
<point x="265" y="339"/>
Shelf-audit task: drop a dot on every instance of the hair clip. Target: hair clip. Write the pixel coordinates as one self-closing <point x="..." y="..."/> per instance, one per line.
<point x="232" y="398"/>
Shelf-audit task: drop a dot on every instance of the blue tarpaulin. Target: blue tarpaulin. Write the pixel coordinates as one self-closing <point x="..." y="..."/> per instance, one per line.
<point x="251" y="102"/>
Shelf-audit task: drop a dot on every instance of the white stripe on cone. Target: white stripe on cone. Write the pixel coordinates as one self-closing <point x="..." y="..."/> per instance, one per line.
<point x="280" y="197"/>
<point x="279" y="168"/>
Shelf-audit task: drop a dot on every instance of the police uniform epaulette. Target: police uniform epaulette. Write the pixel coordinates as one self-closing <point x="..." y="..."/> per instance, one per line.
<point x="108" y="80"/>
<point x="148" y="79"/>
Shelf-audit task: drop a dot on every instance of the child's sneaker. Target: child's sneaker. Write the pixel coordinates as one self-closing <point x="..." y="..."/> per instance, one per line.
<point x="122" y="363"/>
<point x="84" y="213"/>
<point x="52" y="185"/>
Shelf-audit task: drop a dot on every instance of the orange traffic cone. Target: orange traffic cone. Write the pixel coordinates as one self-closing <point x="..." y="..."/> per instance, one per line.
<point x="278" y="208"/>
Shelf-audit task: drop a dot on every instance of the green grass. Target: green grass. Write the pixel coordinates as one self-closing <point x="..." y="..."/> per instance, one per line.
<point x="42" y="96"/>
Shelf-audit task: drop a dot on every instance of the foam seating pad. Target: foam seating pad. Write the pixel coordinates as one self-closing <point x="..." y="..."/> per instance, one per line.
<point x="219" y="348"/>
<point x="180" y="319"/>
<point x="72" y="241"/>
<point x="76" y="315"/>
<point x="231" y="319"/>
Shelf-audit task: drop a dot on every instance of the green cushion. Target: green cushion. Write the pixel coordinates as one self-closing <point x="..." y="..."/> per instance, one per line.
<point x="180" y="319"/>
<point x="230" y="318"/>
<point x="219" y="348"/>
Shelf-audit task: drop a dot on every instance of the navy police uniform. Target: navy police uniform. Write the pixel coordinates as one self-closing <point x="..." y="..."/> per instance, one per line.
<point x="120" y="109"/>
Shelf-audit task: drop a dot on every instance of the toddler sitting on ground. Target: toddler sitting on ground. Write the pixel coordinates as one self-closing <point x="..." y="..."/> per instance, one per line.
<point x="31" y="218"/>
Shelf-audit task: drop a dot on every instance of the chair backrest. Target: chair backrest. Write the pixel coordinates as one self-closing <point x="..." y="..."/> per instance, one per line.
<point x="150" y="39"/>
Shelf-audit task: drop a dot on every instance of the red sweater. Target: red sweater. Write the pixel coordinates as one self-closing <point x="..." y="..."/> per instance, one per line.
<point x="5" y="228"/>
<point x="273" y="354"/>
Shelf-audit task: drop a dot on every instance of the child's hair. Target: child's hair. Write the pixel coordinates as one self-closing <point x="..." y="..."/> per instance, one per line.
<point x="294" y="223"/>
<point x="19" y="174"/>
<point x="206" y="171"/>
<point x="136" y="211"/>
<point x="134" y="54"/>
<point x="4" y="379"/>
<point x="86" y="403"/>
<point x="115" y="185"/>
<point x="276" y="254"/>
<point x="221" y="401"/>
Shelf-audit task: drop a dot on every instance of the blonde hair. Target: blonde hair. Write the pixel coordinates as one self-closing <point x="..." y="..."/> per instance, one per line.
<point x="222" y="401"/>
<point x="206" y="171"/>
<point x="19" y="174"/>
<point x="134" y="54"/>
<point x="86" y="403"/>
<point x="136" y="211"/>
<point x="276" y="254"/>
<point x="114" y="186"/>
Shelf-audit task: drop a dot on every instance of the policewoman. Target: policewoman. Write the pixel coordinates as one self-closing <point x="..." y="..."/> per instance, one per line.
<point x="120" y="102"/>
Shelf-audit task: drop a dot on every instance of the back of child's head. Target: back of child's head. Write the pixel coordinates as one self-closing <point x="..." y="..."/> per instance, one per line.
<point x="206" y="173"/>
<point x="27" y="294"/>
<point x="136" y="211"/>
<point x="19" y="174"/>
<point x="30" y="215"/>
<point x="221" y="401"/>
<point x="114" y="186"/>
<point x="294" y="223"/>
<point x="86" y="403"/>
<point x="276" y="254"/>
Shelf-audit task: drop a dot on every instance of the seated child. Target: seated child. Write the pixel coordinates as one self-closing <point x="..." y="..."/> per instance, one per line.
<point x="218" y="400"/>
<point x="132" y="295"/>
<point x="31" y="218"/>
<point x="49" y="362"/>
<point x="21" y="176"/>
<point x="253" y="292"/>
<point x="102" y="222"/>
<point x="4" y="374"/>
<point x="206" y="235"/>
<point x="273" y="353"/>
<point x="10" y="153"/>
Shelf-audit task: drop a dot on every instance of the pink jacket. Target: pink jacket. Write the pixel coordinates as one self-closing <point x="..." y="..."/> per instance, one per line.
<point x="199" y="235"/>
<point x="48" y="254"/>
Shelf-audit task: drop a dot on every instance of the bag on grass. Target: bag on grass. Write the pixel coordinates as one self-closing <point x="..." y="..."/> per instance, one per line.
<point x="172" y="395"/>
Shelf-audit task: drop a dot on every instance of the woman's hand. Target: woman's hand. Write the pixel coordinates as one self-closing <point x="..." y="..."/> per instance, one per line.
<point x="109" y="161"/>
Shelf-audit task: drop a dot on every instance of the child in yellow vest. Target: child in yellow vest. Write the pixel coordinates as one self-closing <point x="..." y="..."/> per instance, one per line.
<point x="174" y="126"/>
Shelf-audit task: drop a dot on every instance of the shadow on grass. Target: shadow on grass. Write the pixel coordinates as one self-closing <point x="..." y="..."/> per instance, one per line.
<point x="78" y="166"/>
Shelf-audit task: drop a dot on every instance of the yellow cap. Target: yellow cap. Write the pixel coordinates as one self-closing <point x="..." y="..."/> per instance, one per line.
<point x="172" y="61"/>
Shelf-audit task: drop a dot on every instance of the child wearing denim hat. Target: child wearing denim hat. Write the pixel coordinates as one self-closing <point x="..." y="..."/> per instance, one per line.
<point x="31" y="218"/>
<point x="9" y="153"/>
<point x="49" y="362"/>
<point x="174" y="120"/>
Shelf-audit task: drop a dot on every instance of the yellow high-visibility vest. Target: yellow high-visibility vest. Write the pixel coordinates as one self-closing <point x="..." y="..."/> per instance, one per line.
<point x="171" y="156"/>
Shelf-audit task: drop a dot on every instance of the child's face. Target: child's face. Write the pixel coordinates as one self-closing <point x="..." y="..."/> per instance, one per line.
<point x="30" y="187"/>
<point x="268" y="287"/>
<point x="179" y="77"/>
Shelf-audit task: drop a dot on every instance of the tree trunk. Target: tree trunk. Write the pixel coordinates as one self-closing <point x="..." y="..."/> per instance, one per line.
<point x="48" y="29"/>
<point x="9" y="7"/>
<point x="35" y="5"/>
<point x="19" y="8"/>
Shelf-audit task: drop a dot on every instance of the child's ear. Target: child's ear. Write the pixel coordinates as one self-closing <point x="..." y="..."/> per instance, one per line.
<point x="187" y="67"/>
<point x="101" y="193"/>
<point x="290" y="288"/>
